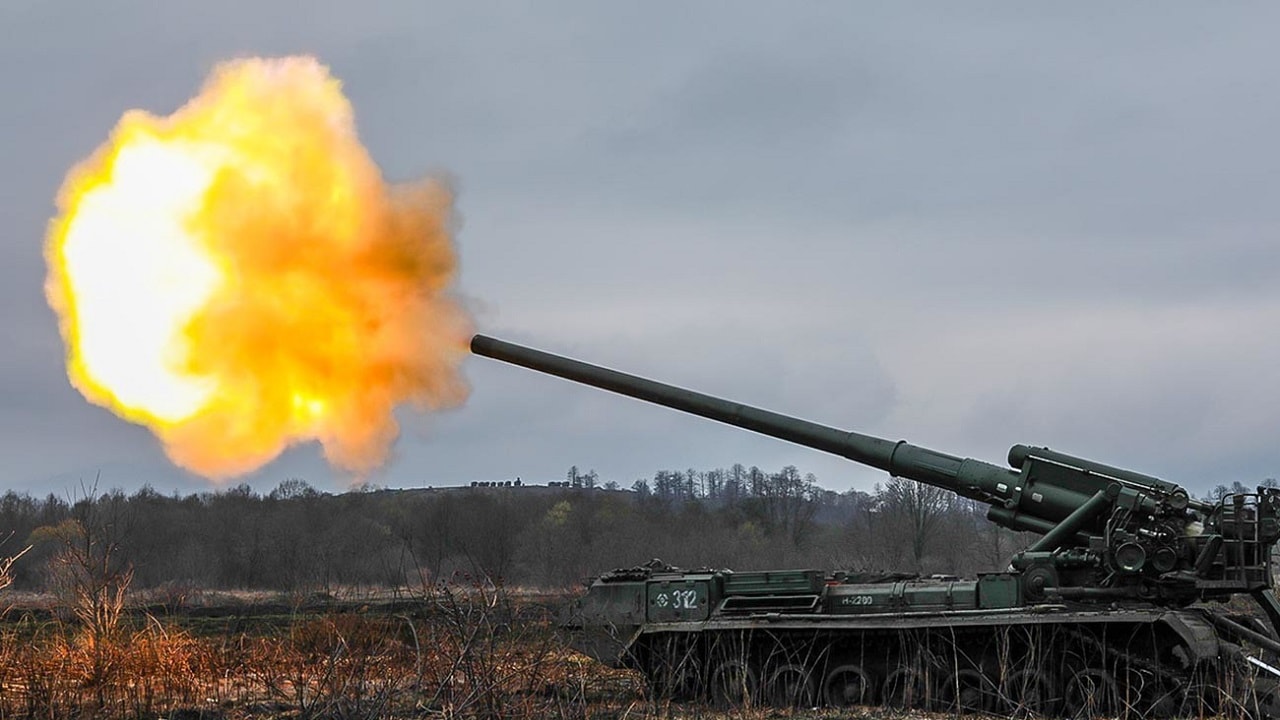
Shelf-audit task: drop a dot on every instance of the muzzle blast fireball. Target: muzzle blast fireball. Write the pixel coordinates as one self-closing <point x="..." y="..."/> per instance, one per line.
<point x="238" y="277"/>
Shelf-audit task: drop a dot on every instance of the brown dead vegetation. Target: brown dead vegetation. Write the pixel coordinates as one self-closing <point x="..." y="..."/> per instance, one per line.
<point x="464" y="651"/>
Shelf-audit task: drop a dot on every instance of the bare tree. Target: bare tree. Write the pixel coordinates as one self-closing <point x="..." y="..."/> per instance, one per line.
<point x="89" y="573"/>
<point x="88" y="569"/>
<point x="922" y="507"/>
<point x="787" y="500"/>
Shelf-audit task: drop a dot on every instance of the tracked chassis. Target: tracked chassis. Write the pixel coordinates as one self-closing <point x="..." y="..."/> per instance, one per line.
<point x="805" y="638"/>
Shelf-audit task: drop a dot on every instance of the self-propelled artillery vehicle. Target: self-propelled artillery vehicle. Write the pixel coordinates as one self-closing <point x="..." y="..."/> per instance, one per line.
<point x="1136" y="598"/>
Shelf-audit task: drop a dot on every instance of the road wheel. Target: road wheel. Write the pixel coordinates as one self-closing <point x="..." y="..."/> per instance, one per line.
<point x="905" y="687"/>
<point x="968" y="692"/>
<point x="790" y="685"/>
<point x="1090" y="693"/>
<point x="848" y="685"/>
<point x="733" y="684"/>
<point x="1028" y="692"/>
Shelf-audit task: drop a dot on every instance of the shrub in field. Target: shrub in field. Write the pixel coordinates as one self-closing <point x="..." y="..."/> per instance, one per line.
<point x="6" y="568"/>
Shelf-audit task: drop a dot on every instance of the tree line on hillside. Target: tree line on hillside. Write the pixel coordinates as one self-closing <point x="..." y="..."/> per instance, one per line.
<point x="296" y="538"/>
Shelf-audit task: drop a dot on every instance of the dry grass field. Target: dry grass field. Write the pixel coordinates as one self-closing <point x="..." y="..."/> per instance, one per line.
<point x="453" y="651"/>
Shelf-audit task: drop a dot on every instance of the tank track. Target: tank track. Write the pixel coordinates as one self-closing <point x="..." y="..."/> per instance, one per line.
<point x="1054" y="670"/>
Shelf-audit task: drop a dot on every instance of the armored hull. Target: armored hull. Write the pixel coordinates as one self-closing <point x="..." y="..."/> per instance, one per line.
<point x="806" y="638"/>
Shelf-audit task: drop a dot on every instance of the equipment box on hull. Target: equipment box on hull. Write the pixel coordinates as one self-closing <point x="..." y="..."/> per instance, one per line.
<point x="998" y="590"/>
<point x="774" y="582"/>
<point x="682" y="598"/>
<point x="902" y="597"/>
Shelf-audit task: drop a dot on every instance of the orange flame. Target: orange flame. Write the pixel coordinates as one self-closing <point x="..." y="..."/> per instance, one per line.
<point x="238" y="277"/>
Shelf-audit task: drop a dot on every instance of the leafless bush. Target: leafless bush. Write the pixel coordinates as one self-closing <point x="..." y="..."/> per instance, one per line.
<point x="343" y="665"/>
<point x="480" y="653"/>
<point x="6" y="566"/>
<point x="89" y="579"/>
<point x="172" y="596"/>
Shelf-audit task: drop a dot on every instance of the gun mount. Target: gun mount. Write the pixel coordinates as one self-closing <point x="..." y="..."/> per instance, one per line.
<point x="1120" y="552"/>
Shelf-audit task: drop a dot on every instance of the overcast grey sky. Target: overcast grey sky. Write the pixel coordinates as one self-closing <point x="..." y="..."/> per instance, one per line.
<point x="966" y="225"/>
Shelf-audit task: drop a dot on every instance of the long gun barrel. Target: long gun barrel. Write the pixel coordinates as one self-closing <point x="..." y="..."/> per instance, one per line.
<point x="1003" y="488"/>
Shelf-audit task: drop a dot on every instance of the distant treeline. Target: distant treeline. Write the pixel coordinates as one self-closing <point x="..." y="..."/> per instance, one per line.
<point x="296" y="538"/>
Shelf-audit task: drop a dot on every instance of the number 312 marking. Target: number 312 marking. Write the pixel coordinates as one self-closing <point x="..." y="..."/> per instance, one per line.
<point x="684" y="599"/>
